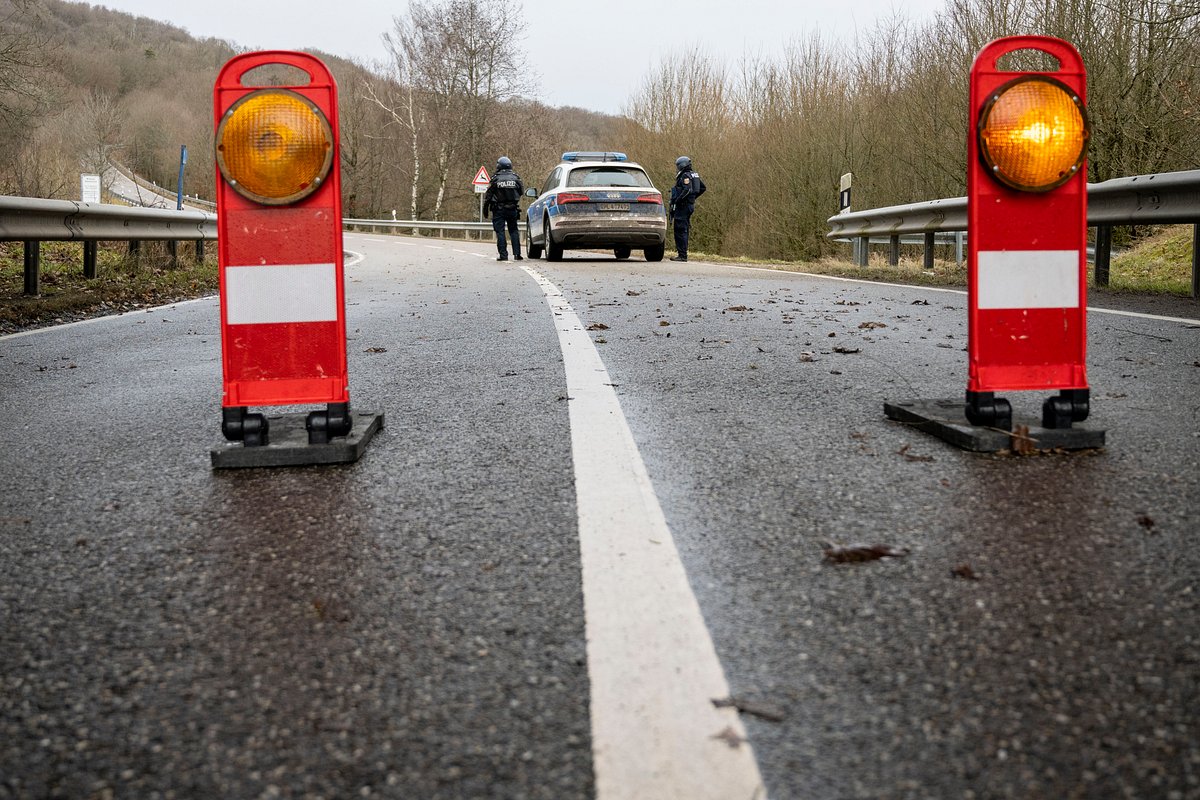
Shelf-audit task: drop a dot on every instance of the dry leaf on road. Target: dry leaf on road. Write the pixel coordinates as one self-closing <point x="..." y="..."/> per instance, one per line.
<point x="856" y="553"/>
<point x="903" y="451"/>
<point x="730" y="737"/>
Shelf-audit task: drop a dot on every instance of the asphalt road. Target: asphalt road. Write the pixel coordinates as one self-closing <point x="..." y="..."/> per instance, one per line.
<point x="413" y="626"/>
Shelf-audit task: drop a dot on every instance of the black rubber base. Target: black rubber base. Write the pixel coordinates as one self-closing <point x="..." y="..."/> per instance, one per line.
<point x="947" y="419"/>
<point x="289" y="445"/>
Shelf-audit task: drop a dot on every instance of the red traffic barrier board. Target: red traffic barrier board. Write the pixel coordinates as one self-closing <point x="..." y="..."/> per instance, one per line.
<point x="1027" y="217"/>
<point x="279" y="217"/>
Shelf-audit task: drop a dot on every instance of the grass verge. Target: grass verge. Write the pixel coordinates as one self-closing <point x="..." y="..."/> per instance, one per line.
<point x="122" y="283"/>
<point x="1160" y="263"/>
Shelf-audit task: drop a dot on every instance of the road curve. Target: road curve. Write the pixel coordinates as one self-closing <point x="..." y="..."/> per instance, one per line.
<point x="417" y="624"/>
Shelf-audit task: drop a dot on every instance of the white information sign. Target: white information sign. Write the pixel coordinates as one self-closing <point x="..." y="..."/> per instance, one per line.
<point x="89" y="188"/>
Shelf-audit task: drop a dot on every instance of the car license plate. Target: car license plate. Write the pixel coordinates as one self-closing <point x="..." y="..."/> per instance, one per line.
<point x="612" y="206"/>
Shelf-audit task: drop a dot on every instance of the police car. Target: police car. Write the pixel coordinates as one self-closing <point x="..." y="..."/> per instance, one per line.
<point x="596" y="201"/>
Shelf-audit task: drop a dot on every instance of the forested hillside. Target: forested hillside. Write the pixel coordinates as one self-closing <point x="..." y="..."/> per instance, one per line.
<point x="771" y="136"/>
<point x="80" y="84"/>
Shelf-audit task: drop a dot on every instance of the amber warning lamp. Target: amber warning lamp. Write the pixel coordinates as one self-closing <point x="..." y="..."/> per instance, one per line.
<point x="1033" y="134"/>
<point x="274" y="147"/>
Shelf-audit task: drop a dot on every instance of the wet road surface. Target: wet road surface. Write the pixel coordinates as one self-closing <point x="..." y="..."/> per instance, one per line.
<point x="414" y="625"/>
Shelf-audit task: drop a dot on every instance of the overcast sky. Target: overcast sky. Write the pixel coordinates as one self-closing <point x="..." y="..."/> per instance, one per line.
<point x="593" y="55"/>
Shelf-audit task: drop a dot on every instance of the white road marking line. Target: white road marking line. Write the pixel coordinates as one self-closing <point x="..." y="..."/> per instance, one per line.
<point x="654" y="671"/>
<point x="391" y="240"/>
<point x="477" y="255"/>
<point x="90" y="320"/>
<point x="1091" y="309"/>
<point x="1139" y="315"/>
<point x="435" y="247"/>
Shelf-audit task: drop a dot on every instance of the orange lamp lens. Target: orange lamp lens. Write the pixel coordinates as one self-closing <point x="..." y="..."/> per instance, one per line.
<point x="274" y="147"/>
<point x="1033" y="134"/>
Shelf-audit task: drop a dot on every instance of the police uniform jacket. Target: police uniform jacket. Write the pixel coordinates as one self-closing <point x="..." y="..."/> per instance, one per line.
<point x="688" y="187"/>
<point x="504" y="192"/>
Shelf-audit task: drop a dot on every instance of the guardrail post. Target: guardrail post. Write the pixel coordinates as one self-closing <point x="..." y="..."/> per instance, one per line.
<point x="929" y="249"/>
<point x="199" y="251"/>
<point x="33" y="255"/>
<point x="894" y="250"/>
<point x="173" y="250"/>
<point x="958" y="248"/>
<point x="89" y="260"/>
<point x="1196" y="260"/>
<point x="1103" y="253"/>
<point x="863" y="246"/>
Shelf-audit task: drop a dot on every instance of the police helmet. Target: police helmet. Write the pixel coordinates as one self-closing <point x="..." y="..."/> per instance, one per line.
<point x="503" y="162"/>
<point x="682" y="163"/>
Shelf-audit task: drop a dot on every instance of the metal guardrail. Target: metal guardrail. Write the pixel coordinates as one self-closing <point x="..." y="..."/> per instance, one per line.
<point x="418" y="225"/>
<point x="1161" y="199"/>
<point x="25" y="219"/>
<point x="32" y="221"/>
<point x="170" y="195"/>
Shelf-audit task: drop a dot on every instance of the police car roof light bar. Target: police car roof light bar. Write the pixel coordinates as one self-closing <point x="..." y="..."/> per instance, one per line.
<point x="593" y="156"/>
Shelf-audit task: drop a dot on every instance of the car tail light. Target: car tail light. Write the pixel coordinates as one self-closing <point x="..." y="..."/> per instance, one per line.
<point x="650" y="198"/>
<point x="570" y="197"/>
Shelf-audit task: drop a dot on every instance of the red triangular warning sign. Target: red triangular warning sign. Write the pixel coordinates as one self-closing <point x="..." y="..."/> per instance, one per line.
<point x="481" y="177"/>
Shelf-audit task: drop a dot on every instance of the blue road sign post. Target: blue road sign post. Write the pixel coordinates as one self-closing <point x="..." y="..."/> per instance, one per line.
<point x="179" y="184"/>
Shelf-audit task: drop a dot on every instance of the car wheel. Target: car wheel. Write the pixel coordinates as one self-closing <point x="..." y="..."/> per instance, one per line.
<point x="553" y="251"/>
<point x="535" y="250"/>
<point x="622" y="252"/>
<point x="655" y="253"/>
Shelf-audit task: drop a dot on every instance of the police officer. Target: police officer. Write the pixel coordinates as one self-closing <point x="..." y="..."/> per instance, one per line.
<point x="688" y="187"/>
<point x="503" y="195"/>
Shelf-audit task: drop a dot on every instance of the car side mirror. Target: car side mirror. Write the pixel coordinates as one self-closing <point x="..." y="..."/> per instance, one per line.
<point x="531" y="192"/>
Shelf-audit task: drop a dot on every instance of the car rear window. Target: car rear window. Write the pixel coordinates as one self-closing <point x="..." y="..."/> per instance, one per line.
<point x="609" y="176"/>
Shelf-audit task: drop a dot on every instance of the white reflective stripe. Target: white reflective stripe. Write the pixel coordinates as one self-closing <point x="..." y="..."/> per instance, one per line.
<point x="280" y="293"/>
<point x="1028" y="279"/>
<point x="653" y="669"/>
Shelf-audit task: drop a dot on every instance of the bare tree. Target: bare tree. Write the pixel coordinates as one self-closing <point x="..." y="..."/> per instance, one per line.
<point x="26" y="94"/>
<point x="23" y="57"/>
<point x="455" y="61"/>
<point x="398" y="98"/>
<point x="100" y="119"/>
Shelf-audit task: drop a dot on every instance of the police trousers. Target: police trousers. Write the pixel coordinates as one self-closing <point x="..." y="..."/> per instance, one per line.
<point x="683" y="225"/>
<point x="506" y="218"/>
